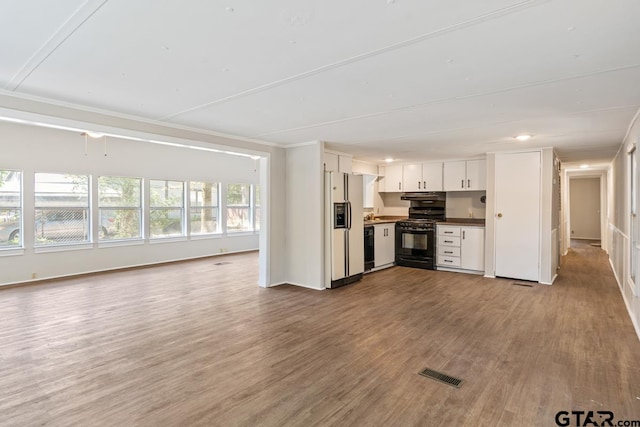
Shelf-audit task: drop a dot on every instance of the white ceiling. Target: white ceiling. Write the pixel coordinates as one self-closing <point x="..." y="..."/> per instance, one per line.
<point x="410" y="79"/>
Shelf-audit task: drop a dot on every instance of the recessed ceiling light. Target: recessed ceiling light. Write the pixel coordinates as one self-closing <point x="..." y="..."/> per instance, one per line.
<point x="523" y="137"/>
<point x="584" y="166"/>
<point x="388" y="160"/>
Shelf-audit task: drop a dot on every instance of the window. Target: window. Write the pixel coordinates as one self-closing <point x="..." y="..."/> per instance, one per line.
<point x="204" y="212"/>
<point x="166" y="208"/>
<point x="256" y="208"/>
<point x="238" y="207"/>
<point x="61" y="209"/>
<point x="120" y="207"/>
<point x="10" y="209"/>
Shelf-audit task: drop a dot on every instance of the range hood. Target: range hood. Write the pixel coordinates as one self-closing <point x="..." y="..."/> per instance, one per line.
<point x="423" y="196"/>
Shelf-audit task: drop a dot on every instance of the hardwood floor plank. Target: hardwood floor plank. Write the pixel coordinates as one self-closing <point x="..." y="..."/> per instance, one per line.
<point x="195" y="343"/>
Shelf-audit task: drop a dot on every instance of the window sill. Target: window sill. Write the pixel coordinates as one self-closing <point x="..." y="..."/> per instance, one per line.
<point x="11" y="252"/>
<point x="241" y="233"/>
<point x="62" y="248"/>
<point x="116" y="243"/>
<point x="167" y="239"/>
<point x="206" y="236"/>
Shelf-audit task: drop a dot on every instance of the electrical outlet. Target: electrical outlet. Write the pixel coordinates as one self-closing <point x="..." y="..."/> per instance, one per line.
<point x="34" y="275"/>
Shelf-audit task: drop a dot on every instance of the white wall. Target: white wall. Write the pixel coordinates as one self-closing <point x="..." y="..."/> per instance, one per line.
<point x="305" y="215"/>
<point x="274" y="271"/>
<point x="32" y="149"/>
<point x="619" y="222"/>
<point x="585" y="208"/>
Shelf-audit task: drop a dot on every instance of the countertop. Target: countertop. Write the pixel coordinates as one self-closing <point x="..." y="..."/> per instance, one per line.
<point x="478" y="222"/>
<point x="384" y="220"/>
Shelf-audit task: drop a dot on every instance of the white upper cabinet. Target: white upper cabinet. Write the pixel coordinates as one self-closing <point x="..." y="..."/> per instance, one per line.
<point x="432" y="176"/>
<point x="393" y="179"/>
<point x="412" y="177"/>
<point x="476" y="175"/>
<point x="465" y="175"/>
<point x="422" y="177"/>
<point x="344" y="164"/>
<point x="337" y="163"/>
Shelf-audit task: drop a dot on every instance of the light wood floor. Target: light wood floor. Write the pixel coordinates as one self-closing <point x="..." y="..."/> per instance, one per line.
<point x="197" y="343"/>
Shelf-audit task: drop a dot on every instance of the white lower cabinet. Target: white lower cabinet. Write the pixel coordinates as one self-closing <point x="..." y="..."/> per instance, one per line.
<point x="460" y="247"/>
<point x="384" y="244"/>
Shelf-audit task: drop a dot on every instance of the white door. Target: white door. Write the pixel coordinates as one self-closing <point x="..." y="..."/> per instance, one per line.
<point x="517" y="219"/>
<point x="356" y="224"/>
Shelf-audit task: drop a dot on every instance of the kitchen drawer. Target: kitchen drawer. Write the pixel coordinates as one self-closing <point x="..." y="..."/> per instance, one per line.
<point x="448" y="251"/>
<point x="445" y="230"/>
<point x="449" y="261"/>
<point x="448" y="241"/>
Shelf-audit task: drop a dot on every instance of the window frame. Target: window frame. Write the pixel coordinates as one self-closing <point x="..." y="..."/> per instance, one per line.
<point x="18" y="248"/>
<point x="217" y="207"/>
<point x="248" y="206"/>
<point x="79" y="244"/>
<point x="140" y="209"/>
<point x="183" y="211"/>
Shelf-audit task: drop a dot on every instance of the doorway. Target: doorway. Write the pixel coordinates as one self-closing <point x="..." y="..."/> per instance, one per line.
<point x="585" y="203"/>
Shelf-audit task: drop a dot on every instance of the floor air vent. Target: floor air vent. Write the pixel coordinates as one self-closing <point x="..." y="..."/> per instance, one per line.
<point x="443" y="378"/>
<point x="222" y="263"/>
<point x="527" y="285"/>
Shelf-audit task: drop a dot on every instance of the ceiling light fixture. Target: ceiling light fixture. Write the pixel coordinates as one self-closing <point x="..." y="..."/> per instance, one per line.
<point x="388" y="159"/>
<point x="523" y="137"/>
<point x="584" y="166"/>
<point x="94" y="135"/>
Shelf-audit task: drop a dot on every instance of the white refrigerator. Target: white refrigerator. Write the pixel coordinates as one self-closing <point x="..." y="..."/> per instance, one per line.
<point x="344" y="229"/>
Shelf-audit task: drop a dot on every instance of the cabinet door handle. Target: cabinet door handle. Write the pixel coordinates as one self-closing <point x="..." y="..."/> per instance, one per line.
<point x="468" y="183"/>
<point x="424" y="185"/>
<point x="418" y="185"/>
<point x="448" y="232"/>
<point x="448" y="260"/>
<point x="448" y="241"/>
<point x="462" y="183"/>
<point x="463" y="231"/>
<point x="399" y="186"/>
<point x="448" y="252"/>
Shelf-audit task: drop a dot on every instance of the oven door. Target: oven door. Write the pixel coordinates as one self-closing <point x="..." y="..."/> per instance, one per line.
<point x="415" y="242"/>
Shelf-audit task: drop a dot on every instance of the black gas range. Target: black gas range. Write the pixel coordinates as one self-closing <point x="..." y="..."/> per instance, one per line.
<point x="415" y="236"/>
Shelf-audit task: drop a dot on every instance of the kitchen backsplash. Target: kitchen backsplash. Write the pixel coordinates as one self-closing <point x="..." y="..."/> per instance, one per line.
<point x="460" y="204"/>
<point x="465" y="204"/>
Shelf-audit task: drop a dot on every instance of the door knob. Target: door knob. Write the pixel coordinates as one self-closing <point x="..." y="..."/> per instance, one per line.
<point x="499" y="215"/>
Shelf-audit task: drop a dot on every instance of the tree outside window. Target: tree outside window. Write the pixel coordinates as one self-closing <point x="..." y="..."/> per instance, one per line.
<point x="120" y="205"/>
<point x="10" y="209"/>
<point x="238" y="207"/>
<point x="204" y="201"/>
<point x="166" y="208"/>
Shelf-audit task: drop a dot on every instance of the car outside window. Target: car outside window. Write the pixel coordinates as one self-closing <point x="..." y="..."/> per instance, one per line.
<point x="10" y="209"/>
<point x="61" y="209"/>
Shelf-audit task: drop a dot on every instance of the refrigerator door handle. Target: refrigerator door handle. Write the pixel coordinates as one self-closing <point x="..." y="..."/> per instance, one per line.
<point x="349" y="216"/>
